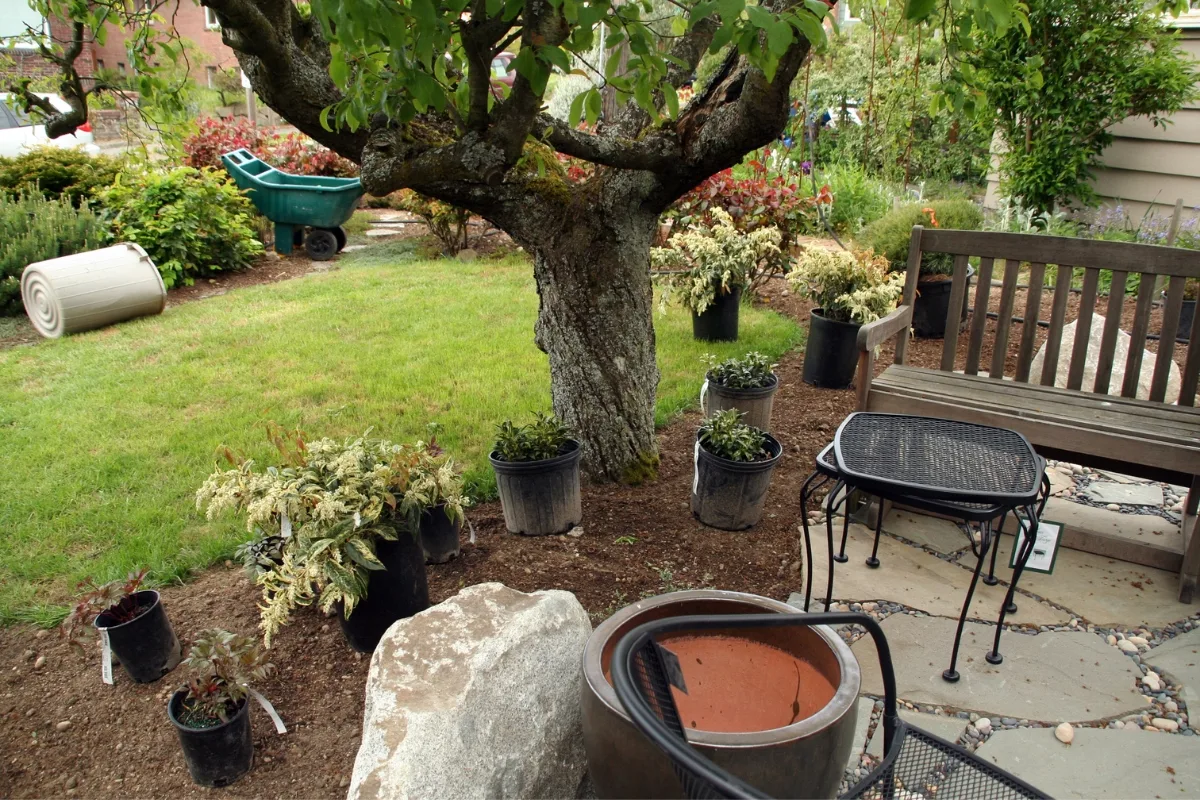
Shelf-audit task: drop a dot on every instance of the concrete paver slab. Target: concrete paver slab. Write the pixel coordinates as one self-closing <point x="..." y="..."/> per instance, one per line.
<point x="1133" y="494"/>
<point x="866" y="707"/>
<point x="1103" y="590"/>
<point x="1149" y="528"/>
<point x="940" y="535"/>
<point x="1053" y="676"/>
<point x="912" y="577"/>
<point x="1179" y="658"/>
<point x="1099" y="763"/>
<point x="948" y="728"/>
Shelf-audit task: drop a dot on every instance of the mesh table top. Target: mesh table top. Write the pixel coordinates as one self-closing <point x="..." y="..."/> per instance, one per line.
<point x="937" y="459"/>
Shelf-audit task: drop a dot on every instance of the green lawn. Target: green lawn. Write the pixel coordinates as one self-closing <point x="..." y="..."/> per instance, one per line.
<point x="105" y="436"/>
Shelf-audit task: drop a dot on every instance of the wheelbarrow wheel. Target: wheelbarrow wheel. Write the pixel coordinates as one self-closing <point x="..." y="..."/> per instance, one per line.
<point x="321" y="244"/>
<point x="340" y="233"/>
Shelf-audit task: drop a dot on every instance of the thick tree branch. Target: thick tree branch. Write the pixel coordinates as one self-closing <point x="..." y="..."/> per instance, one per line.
<point x="71" y="88"/>
<point x="656" y="152"/>
<point x="689" y="48"/>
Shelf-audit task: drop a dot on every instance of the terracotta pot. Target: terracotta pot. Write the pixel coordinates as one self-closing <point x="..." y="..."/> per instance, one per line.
<point x="804" y="759"/>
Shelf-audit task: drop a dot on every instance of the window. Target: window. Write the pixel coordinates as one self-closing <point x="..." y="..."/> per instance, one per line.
<point x="99" y="63"/>
<point x="210" y="19"/>
<point x="6" y="118"/>
<point x="211" y="72"/>
<point x="120" y="68"/>
<point x="16" y="18"/>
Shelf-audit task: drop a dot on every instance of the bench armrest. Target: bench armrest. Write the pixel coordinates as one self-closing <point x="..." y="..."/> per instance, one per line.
<point x="876" y="333"/>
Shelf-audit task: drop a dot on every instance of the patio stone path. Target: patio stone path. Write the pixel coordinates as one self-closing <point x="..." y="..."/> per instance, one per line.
<point x="1050" y="677"/>
<point x="1099" y="763"/>
<point x="948" y="728"/>
<point x="914" y="578"/>
<point x="1134" y="494"/>
<point x="1179" y="660"/>
<point x="939" y="535"/>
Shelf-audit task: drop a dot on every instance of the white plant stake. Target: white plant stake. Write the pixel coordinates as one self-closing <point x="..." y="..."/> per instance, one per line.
<point x="105" y="658"/>
<point x="270" y="709"/>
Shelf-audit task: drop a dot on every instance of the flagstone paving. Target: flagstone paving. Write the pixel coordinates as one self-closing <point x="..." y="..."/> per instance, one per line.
<point x="939" y="535"/>
<point x="948" y="728"/>
<point x="914" y="578"/>
<point x="1099" y="763"/>
<point x="1179" y="660"/>
<point x="1053" y="676"/>
<point x="1134" y="494"/>
<point x="1102" y="590"/>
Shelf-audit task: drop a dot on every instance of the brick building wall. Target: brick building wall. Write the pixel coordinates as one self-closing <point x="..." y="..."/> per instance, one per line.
<point x="21" y="62"/>
<point x="193" y="23"/>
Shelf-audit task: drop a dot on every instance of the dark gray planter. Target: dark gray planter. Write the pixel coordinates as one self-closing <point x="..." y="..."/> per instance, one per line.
<point x="540" y="497"/>
<point x="755" y="404"/>
<point x="731" y="495"/>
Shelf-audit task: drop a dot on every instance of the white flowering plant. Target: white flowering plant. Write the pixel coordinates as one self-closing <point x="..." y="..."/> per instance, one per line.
<point x="704" y="261"/>
<point x="328" y="505"/>
<point x="847" y="286"/>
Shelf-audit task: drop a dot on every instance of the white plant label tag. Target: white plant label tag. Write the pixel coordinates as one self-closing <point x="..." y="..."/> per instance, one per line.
<point x="105" y="658"/>
<point x="696" y="468"/>
<point x="285" y="527"/>
<point x="270" y="709"/>
<point x="703" y="397"/>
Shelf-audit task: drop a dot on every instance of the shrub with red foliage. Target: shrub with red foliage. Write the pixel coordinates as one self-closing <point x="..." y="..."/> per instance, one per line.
<point x="295" y="152"/>
<point x="753" y="203"/>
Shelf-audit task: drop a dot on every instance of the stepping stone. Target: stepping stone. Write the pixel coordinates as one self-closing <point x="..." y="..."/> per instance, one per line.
<point x="1099" y="762"/>
<point x="948" y="728"/>
<point x="912" y="577"/>
<point x="866" y="708"/>
<point x="1061" y="481"/>
<point x="377" y="232"/>
<point x="1179" y="659"/>
<point x="939" y="535"/>
<point x="350" y="248"/>
<point x="1129" y="494"/>
<point x="1103" y="590"/>
<point x="1053" y="676"/>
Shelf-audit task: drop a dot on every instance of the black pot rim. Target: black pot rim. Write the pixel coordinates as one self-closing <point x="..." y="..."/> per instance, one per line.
<point x="949" y="279"/>
<point x="157" y="600"/>
<point x="772" y="444"/>
<point x="761" y="391"/>
<point x="519" y="467"/>
<point x="179" y="695"/>
<point x="820" y="312"/>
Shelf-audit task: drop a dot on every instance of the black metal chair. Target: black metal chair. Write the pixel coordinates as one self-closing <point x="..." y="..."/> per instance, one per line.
<point x="916" y="764"/>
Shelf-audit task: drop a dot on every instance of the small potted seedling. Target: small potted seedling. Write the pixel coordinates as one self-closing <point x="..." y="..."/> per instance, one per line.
<point x="733" y="471"/>
<point x="537" y="474"/>
<point x="748" y="384"/>
<point x="705" y="269"/>
<point x="212" y="713"/>
<point x="132" y="622"/>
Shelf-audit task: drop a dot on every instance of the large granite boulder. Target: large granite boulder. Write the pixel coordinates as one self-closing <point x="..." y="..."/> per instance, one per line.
<point x="1093" y="356"/>
<point x="476" y="697"/>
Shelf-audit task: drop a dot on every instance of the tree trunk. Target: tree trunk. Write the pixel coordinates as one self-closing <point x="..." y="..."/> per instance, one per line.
<point x="596" y="323"/>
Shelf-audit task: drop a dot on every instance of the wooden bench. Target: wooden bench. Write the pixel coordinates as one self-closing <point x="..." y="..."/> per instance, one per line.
<point x="1079" y="424"/>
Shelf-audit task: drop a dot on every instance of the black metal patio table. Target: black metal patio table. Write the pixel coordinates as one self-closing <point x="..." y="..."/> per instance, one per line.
<point x="975" y="473"/>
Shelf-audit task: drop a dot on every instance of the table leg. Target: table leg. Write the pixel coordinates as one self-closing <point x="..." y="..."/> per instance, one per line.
<point x="873" y="561"/>
<point x="829" y="506"/>
<point x="806" y="492"/>
<point x="985" y="541"/>
<point x="994" y="656"/>
<point x="841" y="557"/>
<point x="990" y="579"/>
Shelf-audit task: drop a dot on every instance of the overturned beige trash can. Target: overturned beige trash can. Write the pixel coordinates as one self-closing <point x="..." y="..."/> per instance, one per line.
<point x="90" y="290"/>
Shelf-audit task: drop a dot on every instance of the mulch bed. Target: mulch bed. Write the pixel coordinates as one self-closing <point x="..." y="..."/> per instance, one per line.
<point x="637" y="541"/>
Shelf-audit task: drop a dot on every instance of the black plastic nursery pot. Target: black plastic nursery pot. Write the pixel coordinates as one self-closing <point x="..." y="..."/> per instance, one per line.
<point x="540" y="497"/>
<point x="731" y="495"/>
<point x="398" y="592"/>
<point x="215" y="756"/>
<point x="931" y="308"/>
<point x="831" y="354"/>
<point x="1187" y="313"/>
<point x="145" y="646"/>
<point x="719" y="322"/>
<point x="439" y="535"/>
<point x="755" y="404"/>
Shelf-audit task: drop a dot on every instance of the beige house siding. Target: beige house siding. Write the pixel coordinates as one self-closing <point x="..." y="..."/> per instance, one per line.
<point x="1146" y="165"/>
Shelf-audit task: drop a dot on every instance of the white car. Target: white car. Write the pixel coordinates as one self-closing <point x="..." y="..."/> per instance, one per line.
<point x="19" y="133"/>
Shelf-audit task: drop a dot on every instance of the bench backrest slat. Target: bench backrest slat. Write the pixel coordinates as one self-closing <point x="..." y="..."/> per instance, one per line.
<point x="1072" y="260"/>
<point x="1008" y="293"/>
<point x="1083" y="328"/>
<point x="958" y="296"/>
<point x="1058" y="315"/>
<point x="1033" y="310"/>
<point x="1166" y="345"/>
<point x="1112" y="327"/>
<point x="1137" y="336"/>
<point x="983" y="295"/>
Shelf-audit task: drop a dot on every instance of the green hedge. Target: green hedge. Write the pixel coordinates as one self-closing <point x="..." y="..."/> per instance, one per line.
<point x="35" y="228"/>
<point x="57" y="171"/>
<point x="890" y="234"/>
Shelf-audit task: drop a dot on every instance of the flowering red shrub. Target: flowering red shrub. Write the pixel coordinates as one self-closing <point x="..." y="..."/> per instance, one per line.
<point x="753" y="203"/>
<point x="295" y="152"/>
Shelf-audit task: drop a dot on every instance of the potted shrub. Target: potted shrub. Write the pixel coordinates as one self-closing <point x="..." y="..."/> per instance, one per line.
<point x="349" y="539"/>
<point x="211" y="713"/>
<point x="890" y="235"/>
<point x="133" y="622"/>
<point x="748" y="384"/>
<point x="537" y="475"/>
<point x="733" y="471"/>
<point x="707" y="269"/>
<point x="850" y="289"/>
<point x="1187" y="311"/>
<point x="433" y="500"/>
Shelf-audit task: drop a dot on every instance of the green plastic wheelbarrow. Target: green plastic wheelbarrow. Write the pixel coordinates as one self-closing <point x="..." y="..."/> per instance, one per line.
<point x="306" y="209"/>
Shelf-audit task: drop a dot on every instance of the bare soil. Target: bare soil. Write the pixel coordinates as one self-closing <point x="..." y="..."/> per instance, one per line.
<point x="636" y="541"/>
